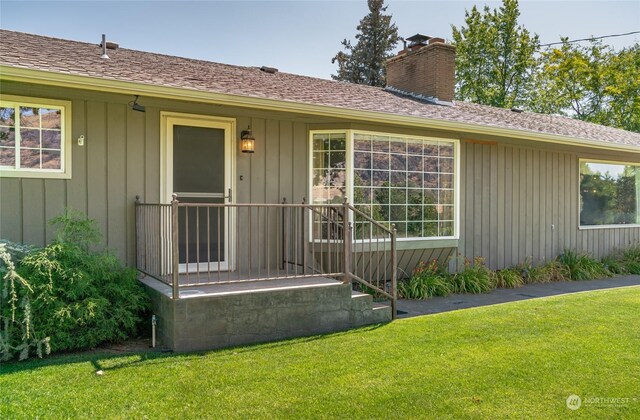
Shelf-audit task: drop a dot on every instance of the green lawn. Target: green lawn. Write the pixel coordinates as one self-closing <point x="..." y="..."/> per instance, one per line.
<point x="516" y="360"/>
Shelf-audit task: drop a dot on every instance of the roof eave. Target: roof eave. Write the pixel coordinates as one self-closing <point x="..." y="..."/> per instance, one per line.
<point x="19" y="74"/>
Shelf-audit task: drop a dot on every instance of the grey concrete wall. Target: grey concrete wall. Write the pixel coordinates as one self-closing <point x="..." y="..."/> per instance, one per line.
<point x="210" y="322"/>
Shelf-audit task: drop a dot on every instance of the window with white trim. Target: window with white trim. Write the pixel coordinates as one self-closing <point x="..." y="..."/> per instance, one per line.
<point x="609" y="193"/>
<point x="408" y="181"/>
<point x="33" y="137"/>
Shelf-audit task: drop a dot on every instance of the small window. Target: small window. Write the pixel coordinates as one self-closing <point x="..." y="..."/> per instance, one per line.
<point x="34" y="138"/>
<point x="609" y="193"/>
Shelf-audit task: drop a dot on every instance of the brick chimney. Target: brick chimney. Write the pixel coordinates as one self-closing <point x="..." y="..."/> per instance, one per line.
<point x="425" y="67"/>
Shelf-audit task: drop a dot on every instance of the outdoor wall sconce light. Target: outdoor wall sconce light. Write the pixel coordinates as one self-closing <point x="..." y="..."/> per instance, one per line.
<point x="247" y="141"/>
<point x="136" y="106"/>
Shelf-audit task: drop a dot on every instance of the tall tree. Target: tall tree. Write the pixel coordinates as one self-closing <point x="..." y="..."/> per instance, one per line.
<point x="591" y="83"/>
<point x="495" y="57"/>
<point x="365" y="62"/>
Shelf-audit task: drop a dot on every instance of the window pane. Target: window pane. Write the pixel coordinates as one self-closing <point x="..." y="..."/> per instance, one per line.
<point x="7" y="157"/>
<point x="362" y="142"/>
<point x="398" y="163"/>
<point x="380" y="161"/>
<point x="430" y="149"/>
<point x="414" y="147"/>
<point x="51" y="159"/>
<point x="414" y="163"/>
<point x="381" y="178"/>
<point x="446" y="165"/>
<point x="430" y="229"/>
<point x="446" y="149"/>
<point x="337" y="160"/>
<point x="380" y="144"/>
<point x="51" y="139"/>
<point x="29" y="137"/>
<point x="338" y="142"/>
<point x="7" y="137"/>
<point x="7" y="116"/>
<point x="362" y="160"/>
<point x="431" y="164"/>
<point x="609" y="193"/>
<point x="362" y="177"/>
<point x="50" y="118"/>
<point x="399" y="179"/>
<point x="446" y="180"/>
<point x="320" y="159"/>
<point x="29" y="117"/>
<point x="30" y="158"/>
<point x="446" y="229"/>
<point x="321" y="141"/>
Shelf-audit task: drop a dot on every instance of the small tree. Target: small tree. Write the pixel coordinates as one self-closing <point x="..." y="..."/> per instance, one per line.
<point x="495" y="57"/>
<point x="365" y="62"/>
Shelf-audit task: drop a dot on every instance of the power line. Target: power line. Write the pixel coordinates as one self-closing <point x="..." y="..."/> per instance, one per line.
<point x="589" y="39"/>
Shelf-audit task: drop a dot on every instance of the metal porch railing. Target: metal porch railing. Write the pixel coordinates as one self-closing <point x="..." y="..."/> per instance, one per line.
<point x="192" y="244"/>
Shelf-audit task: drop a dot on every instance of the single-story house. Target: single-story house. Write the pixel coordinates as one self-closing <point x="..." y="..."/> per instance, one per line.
<point x="217" y="181"/>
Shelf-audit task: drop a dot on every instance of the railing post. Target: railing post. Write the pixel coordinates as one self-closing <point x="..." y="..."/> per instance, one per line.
<point x="285" y="234"/>
<point x="394" y="273"/>
<point x="346" y="241"/>
<point x="175" y="263"/>
<point x="137" y="228"/>
<point x="303" y="236"/>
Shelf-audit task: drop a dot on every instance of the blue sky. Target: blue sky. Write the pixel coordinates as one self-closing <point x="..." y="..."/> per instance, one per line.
<point x="294" y="36"/>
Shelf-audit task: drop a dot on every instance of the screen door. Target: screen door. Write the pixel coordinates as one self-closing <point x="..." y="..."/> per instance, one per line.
<point x="199" y="167"/>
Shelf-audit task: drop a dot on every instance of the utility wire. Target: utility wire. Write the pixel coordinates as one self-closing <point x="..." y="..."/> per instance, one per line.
<point x="589" y="39"/>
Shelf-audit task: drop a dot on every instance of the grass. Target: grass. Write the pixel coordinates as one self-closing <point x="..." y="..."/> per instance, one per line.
<point x="517" y="360"/>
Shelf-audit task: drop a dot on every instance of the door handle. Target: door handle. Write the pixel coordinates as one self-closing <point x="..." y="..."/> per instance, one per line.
<point x="229" y="196"/>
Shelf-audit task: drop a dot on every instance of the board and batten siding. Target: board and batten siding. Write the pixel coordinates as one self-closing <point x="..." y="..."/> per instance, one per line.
<point x="520" y="204"/>
<point x="121" y="159"/>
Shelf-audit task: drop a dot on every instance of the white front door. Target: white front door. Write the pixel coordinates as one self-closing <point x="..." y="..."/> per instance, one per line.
<point x="198" y="168"/>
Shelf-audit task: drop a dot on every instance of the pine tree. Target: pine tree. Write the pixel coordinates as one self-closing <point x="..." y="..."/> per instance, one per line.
<point x="365" y="62"/>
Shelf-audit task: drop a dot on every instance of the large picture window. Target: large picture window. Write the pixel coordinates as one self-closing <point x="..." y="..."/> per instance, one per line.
<point x="609" y="193"/>
<point x="403" y="180"/>
<point x="33" y="138"/>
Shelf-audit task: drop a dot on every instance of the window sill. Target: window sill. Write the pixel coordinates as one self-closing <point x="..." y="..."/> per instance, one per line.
<point x="594" y="227"/>
<point x="35" y="174"/>
<point x="408" y="243"/>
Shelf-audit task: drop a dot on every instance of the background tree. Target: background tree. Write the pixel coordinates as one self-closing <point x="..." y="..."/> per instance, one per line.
<point x="495" y="57"/>
<point x="591" y="83"/>
<point x="365" y="62"/>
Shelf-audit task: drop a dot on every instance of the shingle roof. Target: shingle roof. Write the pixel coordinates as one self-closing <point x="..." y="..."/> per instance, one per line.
<point x="36" y="52"/>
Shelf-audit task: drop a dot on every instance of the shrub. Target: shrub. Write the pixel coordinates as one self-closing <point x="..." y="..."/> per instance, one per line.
<point x="630" y="259"/>
<point x="17" y="333"/>
<point x="546" y="273"/>
<point x="475" y="277"/>
<point x="79" y="298"/>
<point x="428" y="279"/>
<point x="509" y="278"/>
<point x="614" y="265"/>
<point x="582" y="266"/>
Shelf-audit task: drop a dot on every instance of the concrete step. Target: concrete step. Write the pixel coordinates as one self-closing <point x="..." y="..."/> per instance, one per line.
<point x="361" y="301"/>
<point x="381" y="312"/>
